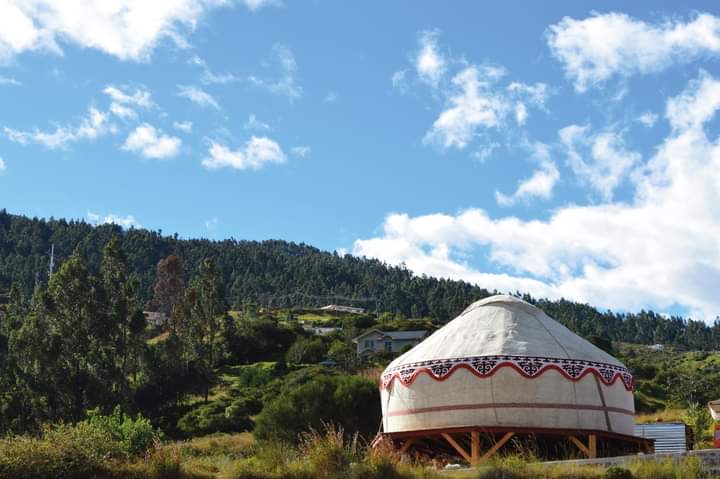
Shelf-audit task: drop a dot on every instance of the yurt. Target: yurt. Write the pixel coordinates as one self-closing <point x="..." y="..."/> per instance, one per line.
<point x="503" y="370"/>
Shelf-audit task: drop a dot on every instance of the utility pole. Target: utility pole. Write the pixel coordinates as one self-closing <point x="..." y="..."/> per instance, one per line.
<point x="52" y="261"/>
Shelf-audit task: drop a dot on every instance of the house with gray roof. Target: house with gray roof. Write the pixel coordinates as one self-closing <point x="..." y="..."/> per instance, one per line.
<point x="375" y="341"/>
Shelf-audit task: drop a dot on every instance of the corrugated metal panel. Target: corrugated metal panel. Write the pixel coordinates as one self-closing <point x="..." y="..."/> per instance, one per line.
<point x="669" y="436"/>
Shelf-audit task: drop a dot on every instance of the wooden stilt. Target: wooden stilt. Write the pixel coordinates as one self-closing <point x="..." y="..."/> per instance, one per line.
<point x="496" y="447"/>
<point x="474" y="447"/>
<point x="592" y="446"/>
<point x="457" y="447"/>
<point x="584" y="449"/>
<point x="406" y="446"/>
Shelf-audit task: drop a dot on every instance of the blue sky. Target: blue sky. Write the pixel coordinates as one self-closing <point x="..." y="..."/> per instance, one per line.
<point x="565" y="149"/>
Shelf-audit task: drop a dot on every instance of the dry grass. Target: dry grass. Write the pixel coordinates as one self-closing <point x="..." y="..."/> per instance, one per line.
<point x="668" y="415"/>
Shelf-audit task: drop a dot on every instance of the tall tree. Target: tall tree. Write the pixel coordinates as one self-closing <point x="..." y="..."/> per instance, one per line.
<point x="169" y="289"/>
<point x="207" y="318"/>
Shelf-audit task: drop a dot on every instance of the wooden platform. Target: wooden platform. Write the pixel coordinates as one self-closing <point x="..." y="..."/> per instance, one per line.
<point x="476" y="445"/>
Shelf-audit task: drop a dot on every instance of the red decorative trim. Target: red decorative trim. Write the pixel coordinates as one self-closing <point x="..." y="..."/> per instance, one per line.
<point x="511" y="405"/>
<point x="527" y="366"/>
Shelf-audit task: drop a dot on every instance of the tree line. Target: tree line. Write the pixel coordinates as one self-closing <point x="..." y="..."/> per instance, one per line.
<point x="278" y="273"/>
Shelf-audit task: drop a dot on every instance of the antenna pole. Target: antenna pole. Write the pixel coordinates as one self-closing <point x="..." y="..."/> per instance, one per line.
<point x="52" y="260"/>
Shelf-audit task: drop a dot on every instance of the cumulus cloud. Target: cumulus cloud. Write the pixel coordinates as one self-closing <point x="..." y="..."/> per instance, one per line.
<point x="598" y="159"/>
<point x="93" y="125"/>
<point x="473" y="105"/>
<point x="184" y="126"/>
<point x="122" y="101"/>
<point x="595" y="49"/>
<point x="253" y="123"/>
<point x="257" y="153"/>
<point x="9" y="81"/>
<point x="3" y="168"/>
<point x="648" y="119"/>
<point x="198" y="96"/>
<point x="209" y="77"/>
<point x="151" y="143"/>
<point x="331" y="97"/>
<point x="211" y="224"/>
<point x="475" y="98"/>
<point x="124" y="221"/>
<point x="657" y="250"/>
<point x="430" y="64"/>
<point x="540" y="184"/>
<point x="126" y="29"/>
<point x="255" y="5"/>
<point x="286" y="83"/>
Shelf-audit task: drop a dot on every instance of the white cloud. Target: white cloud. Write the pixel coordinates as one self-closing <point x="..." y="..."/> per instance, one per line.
<point x="648" y="119"/>
<point x="473" y="105"/>
<point x="127" y="29"/>
<point x="255" y="5"/>
<point x="211" y="224"/>
<point x="540" y="184"/>
<point x="485" y="151"/>
<point x="198" y="96"/>
<point x="399" y="80"/>
<point x="124" y="221"/>
<point x="257" y="153"/>
<point x="430" y="64"/>
<point x="599" y="159"/>
<point x="301" y="151"/>
<point x="184" y="126"/>
<point x="521" y="113"/>
<point x="3" y="168"/>
<point x="286" y="83"/>
<point x="475" y="100"/>
<point x="122" y="101"/>
<point x="92" y="126"/>
<point x="331" y="97"/>
<point x="595" y="49"/>
<point x="209" y="77"/>
<point x="9" y="81"/>
<point x="658" y="250"/>
<point x="151" y="143"/>
<point x="253" y="123"/>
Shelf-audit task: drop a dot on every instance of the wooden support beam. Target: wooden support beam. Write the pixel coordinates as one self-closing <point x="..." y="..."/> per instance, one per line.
<point x="474" y="447"/>
<point x="457" y="447"/>
<point x="496" y="447"/>
<point x="406" y="446"/>
<point x="584" y="449"/>
<point x="592" y="446"/>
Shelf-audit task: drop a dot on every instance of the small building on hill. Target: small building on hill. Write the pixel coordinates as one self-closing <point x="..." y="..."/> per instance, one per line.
<point x="342" y="309"/>
<point x="156" y="318"/>
<point x="377" y="341"/>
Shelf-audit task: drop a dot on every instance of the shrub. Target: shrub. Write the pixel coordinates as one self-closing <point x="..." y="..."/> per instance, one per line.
<point x="351" y="402"/>
<point x="134" y="436"/>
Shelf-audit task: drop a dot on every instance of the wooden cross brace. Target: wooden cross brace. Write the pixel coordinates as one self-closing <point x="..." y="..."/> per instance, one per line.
<point x="590" y="450"/>
<point x="473" y="458"/>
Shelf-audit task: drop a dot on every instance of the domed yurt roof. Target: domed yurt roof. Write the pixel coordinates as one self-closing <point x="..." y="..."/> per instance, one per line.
<point x="505" y="363"/>
<point x="504" y="325"/>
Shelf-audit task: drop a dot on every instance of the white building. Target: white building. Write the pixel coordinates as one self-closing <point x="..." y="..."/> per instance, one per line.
<point x="342" y="309"/>
<point x="376" y="341"/>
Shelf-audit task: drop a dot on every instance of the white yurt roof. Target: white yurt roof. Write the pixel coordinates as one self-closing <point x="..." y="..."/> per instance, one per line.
<point x="504" y="325"/>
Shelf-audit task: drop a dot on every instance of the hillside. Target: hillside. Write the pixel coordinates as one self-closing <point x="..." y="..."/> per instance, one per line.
<point x="277" y="273"/>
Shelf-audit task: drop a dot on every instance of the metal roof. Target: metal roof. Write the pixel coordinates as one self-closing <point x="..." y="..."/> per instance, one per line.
<point x="669" y="436"/>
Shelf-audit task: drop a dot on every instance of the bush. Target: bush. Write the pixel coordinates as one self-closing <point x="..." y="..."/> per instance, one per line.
<point x="134" y="436"/>
<point x="230" y="415"/>
<point x="351" y="402"/>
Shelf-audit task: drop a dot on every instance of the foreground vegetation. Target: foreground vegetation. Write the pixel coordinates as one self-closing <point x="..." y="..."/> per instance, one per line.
<point x="108" y="448"/>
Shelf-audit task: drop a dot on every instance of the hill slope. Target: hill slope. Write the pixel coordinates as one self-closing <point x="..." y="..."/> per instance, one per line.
<point x="281" y="273"/>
